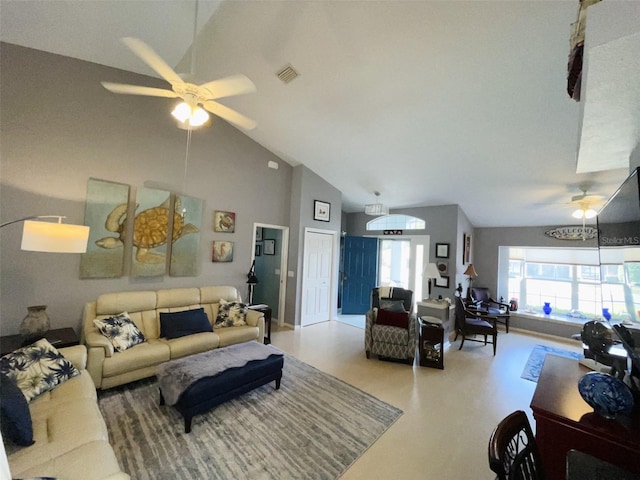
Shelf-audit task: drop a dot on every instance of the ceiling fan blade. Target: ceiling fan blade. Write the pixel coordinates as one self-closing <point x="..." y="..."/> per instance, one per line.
<point x="151" y="58"/>
<point x="228" y="87"/>
<point x="139" y="90"/>
<point x="230" y="115"/>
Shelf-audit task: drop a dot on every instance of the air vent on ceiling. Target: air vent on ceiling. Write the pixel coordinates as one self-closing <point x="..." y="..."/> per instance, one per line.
<point x="287" y="74"/>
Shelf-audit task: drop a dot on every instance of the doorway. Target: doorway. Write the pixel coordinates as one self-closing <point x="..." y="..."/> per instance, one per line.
<point x="318" y="273"/>
<point x="270" y="252"/>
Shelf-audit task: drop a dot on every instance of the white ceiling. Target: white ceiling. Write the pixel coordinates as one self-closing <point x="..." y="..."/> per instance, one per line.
<point x="428" y="102"/>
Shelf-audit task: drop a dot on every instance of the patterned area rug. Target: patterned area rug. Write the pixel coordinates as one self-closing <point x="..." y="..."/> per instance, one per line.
<point x="536" y="359"/>
<point x="314" y="427"/>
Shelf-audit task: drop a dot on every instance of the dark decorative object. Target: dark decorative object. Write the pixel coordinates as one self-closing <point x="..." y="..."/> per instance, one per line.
<point x="547" y="308"/>
<point x="35" y="324"/>
<point x="252" y="281"/>
<point x="606" y="314"/>
<point x="598" y="336"/>
<point x="607" y="395"/>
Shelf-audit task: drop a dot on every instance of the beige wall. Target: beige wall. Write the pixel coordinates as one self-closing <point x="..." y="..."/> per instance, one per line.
<point x="59" y="127"/>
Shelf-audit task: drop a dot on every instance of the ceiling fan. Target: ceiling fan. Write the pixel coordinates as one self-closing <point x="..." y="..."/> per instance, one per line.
<point x="585" y="204"/>
<point x="189" y="112"/>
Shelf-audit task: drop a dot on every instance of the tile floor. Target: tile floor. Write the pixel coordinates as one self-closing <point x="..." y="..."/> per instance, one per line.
<point x="448" y="414"/>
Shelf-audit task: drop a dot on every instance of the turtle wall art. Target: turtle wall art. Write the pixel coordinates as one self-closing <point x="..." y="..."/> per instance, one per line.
<point x="184" y="253"/>
<point x="105" y="214"/>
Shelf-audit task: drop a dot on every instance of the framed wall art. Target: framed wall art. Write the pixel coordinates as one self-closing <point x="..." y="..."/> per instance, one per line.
<point x="222" y="251"/>
<point x="269" y="247"/>
<point x="258" y="250"/>
<point x="443" y="281"/>
<point x="224" y="221"/>
<point x="443" y="267"/>
<point x="466" y="249"/>
<point x="151" y="232"/>
<point x="321" y="210"/>
<point x="187" y="220"/>
<point x="442" y="250"/>
<point x="258" y="234"/>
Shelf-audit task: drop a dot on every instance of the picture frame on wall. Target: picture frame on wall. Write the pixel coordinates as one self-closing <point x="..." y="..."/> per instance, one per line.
<point x="269" y="247"/>
<point x="258" y="250"/>
<point x="443" y="267"/>
<point x="466" y="249"/>
<point x="442" y="282"/>
<point x="258" y="234"/>
<point x="224" y="221"/>
<point x="442" y="250"/>
<point x="222" y="251"/>
<point x="321" y="211"/>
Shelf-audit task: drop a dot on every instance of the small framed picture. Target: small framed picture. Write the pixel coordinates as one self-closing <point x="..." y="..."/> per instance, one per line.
<point x="224" y="221"/>
<point x="269" y="247"/>
<point x="466" y="249"/>
<point x="443" y="281"/>
<point x="258" y="250"/>
<point x="321" y="210"/>
<point x="258" y="234"/>
<point x="222" y="251"/>
<point x="443" y="267"/>
<point x="442" y="250"/>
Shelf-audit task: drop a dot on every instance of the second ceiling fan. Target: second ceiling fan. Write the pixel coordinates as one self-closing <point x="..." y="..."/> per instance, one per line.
<point x="193" y="95"/>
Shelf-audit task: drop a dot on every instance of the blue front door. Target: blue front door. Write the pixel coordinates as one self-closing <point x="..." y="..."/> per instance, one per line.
<point x="360" y="274"/>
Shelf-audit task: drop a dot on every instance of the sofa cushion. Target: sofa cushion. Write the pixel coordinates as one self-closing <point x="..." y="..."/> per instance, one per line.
<point x="120" y="330"/>
<point x="187" y="322"/>
<point x="232" y="335"/>
<point x="231" y="314"/>
<point x="388" y="334"/>
<point x="15" y="418"/>
<point x="393" y="319"/>
<point x="392" y="305"/>
<point x="196" y="343"/>
<point x="37" y="368"/>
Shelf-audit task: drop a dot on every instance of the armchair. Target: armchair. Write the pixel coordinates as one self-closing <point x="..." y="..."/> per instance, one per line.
<point x="391" y="327"/>
<point x="482" y="301"/>
<point x="472" y="322"/>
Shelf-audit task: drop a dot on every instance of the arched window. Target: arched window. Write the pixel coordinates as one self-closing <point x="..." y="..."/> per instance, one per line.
<point x="396" y="222"/>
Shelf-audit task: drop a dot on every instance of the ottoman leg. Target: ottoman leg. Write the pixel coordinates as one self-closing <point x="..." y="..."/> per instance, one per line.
<point x="187" y="424"/>
<point x="278" y="383"/>
<point x="161" y="398"/>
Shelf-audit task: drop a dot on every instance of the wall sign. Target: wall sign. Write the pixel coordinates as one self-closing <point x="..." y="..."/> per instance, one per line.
<point x="392" y="232"/>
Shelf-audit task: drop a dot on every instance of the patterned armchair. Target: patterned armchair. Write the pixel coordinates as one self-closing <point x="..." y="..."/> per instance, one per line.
<point x="391" y="327"/>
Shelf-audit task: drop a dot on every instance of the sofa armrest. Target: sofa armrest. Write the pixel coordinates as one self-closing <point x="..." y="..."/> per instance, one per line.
<point x="118" y="476"/>
<point x="97" y="340"/>
<point x="76" y="355"/>
<point x="256" y="319"/>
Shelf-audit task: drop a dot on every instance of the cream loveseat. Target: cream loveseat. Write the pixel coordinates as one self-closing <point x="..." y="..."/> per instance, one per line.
<point x="109" y="368"/>
<point x="71" y="439"/>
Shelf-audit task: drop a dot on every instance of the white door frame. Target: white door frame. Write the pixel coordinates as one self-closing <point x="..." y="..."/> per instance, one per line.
<point x="335" y="248"/>
<point x="284" y="255"/>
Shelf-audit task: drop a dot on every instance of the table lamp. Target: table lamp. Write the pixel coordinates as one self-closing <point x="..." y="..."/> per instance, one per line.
<point x="430" y="271"/>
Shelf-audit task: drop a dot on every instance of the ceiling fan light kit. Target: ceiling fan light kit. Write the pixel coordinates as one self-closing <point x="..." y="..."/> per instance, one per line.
<point x="584" y="213"/>
<point x="192" y="116"/>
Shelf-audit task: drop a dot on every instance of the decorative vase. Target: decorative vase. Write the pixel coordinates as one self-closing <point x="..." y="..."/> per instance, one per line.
<point x="608" y="395"/>
<point x="547" y="308"/>
<point x="606" y="314"/>
<point x="35" y="324"/>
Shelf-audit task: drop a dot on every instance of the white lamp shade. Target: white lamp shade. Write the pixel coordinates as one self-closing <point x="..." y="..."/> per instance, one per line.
<point x="54" y="237"/>
<point x="194" y="117"/>
<point x="431" y="271"/>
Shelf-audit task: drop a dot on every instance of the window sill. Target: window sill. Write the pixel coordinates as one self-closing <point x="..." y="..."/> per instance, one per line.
<point x="559" y="319"/>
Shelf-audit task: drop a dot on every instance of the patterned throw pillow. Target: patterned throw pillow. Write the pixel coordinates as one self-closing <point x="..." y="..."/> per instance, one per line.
<point x="392" y="305"/>
<point x="37" y="368"/>
<point x="231" y="314"/>
<point x="120" y="330"/>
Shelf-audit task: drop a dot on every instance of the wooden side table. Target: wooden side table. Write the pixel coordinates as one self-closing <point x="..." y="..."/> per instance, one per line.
<point x="58" y="337"/>
<point x="431" y="344"/>
<point x="266" y="310"/>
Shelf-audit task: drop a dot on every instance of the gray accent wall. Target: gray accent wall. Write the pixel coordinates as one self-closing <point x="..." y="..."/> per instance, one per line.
<point x="59" y="127"/>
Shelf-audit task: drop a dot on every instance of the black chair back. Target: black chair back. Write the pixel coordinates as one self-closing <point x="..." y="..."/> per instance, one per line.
<point x="397" y="294"/>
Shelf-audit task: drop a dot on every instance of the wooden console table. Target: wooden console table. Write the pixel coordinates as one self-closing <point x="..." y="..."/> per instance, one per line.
<point x="564" y="421"/>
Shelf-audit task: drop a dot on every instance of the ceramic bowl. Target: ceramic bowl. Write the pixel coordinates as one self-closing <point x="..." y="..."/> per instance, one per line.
<point x="608" y="395"/>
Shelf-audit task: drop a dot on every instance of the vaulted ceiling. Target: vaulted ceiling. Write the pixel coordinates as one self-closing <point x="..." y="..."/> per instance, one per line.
<point x="427" y="102"/>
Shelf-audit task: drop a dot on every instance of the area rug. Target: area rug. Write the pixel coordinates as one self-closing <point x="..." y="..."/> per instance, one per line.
<point x="314" y="427"/>
<point x="536" y="359"/>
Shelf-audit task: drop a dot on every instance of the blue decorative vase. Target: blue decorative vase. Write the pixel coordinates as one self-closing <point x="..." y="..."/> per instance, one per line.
<point x="606" y="314"/>
<point x="547" y="308"/>
<point x="608" y="395"/>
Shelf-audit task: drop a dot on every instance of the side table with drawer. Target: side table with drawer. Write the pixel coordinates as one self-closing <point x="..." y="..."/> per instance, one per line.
<point x="431" y="343"/>
<point x="58" y="337"/>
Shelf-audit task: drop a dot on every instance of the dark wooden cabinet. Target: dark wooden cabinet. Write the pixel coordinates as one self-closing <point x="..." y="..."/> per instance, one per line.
<point x="58" y="337"/>
<point x="431" y="344"/>
<point x="564" y="421"/>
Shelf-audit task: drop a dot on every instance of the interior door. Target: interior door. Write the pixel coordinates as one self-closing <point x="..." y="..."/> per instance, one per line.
<point x="360" y="273"/>
<point x="316" y="295"/>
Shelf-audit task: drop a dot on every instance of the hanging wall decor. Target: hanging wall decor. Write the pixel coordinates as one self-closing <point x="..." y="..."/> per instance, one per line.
<point x="224" y="221"/>
<point x="150" y="232"/>
<point x="106" y="215"/>
<point x="222" y="251"/>
<point x="187" y="221"/>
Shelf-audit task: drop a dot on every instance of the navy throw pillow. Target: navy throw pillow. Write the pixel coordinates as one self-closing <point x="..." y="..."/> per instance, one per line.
<point x="180" y="324"/>
<point x="15" y="417"/>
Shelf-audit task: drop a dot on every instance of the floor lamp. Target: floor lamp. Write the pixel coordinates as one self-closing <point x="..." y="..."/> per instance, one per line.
<point x="252" y="281"/>
<point x="51" y="237"/>
<point x="472" y="273"/>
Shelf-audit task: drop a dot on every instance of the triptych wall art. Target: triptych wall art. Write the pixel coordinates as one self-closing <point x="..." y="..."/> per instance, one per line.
<point x="160" y="230"/>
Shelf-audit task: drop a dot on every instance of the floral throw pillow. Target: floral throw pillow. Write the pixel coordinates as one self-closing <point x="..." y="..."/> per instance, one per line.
<point x="37" y="368"/>
<point x="231" y="314"/>
<point x="120" y="330"/>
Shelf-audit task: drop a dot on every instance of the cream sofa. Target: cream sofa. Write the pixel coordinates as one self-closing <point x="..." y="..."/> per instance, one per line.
<point x="109" y="368"/>
<point x="71" y="439"/>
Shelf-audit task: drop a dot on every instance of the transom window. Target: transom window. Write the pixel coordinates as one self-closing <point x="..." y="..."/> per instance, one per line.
<point x="396" y="222"/>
